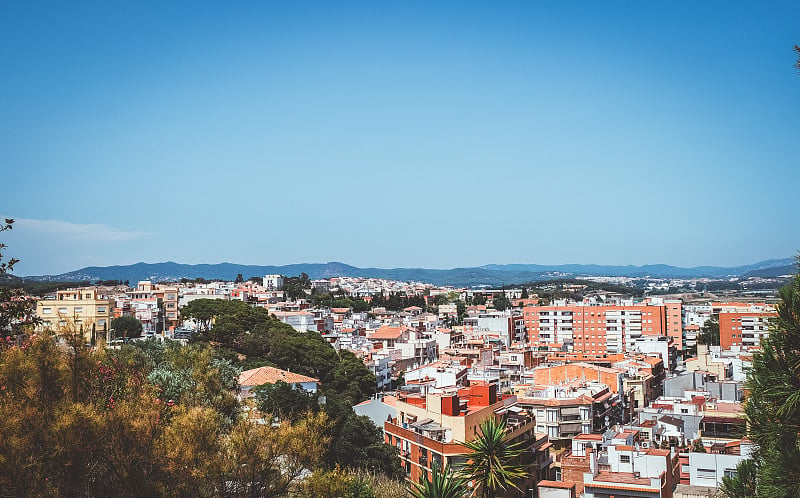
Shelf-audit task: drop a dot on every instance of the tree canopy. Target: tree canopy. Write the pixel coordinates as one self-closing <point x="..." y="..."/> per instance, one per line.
<point x="709" y="332"/>
<point x="126" y="326"/>
<point x="17" y="311"/>
<point x="772" y="408"/>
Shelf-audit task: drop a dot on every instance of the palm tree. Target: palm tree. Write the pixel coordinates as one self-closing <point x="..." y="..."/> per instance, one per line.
<point x="443" y="483"/>
<point x="490" y="461"/>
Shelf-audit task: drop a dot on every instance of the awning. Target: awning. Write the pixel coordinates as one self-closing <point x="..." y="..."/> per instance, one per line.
<point x="570" y="411"/>
<point x="422" y="422"/>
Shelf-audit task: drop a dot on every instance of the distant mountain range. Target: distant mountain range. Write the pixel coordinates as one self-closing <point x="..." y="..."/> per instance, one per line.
<point x="492" y="275"/>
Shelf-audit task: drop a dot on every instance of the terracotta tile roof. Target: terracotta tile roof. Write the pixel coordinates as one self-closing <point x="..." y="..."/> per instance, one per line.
<point x="594" y="437"/>
<point x="388" y="332"/>
<point x="270" y="375"/>
<point x="556" y="484"/>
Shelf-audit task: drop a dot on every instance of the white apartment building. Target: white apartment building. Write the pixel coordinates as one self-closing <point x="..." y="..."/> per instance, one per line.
<point x="273" y="282"/>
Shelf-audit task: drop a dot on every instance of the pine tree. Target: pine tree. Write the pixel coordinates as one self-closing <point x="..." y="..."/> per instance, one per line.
<point x="773" y="407"/>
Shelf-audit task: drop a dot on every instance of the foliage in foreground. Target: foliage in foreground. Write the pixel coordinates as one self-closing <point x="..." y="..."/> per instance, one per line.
<point x="491" y="461"/>
<point x="441" y="483"/>
<point x="773" y="406"/>
<point x="144" y="420"/>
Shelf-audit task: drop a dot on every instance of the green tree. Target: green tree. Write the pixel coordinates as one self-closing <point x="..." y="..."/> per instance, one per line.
<point x="17" y="311"/>
<point x="442" y="483"/>
<point x="203" y="311"/>
<point x="286" y="401"/>
<point x="295" y="287"/>
<point x="270" y="461"/>
<point x="491" y="461"/>
<point x="773" y="406"/>
<point x="126" y="326"/>
<point x="743" y="483"/>
<point x="709" y="332"/>
<point x="440" y="299"/>
<point x="351" y="379"/>
<point x="357" y="443"/>
<point x="501" y="302"/>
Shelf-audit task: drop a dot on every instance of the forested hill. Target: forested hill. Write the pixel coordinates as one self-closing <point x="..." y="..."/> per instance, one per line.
<point x="492" y="275"/>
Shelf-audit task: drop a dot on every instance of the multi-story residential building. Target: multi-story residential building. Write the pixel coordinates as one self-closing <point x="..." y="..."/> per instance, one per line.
<point x="380" y="367"/>
<point x="744" y="328"/>
<point x="616" y="464"/>
<point x="441" y="374"/>
<point x="430" y="429"/>
<point x="301" y="321"/>
<point x="505" y="327"/>
<point x="566" y="410"/>
<point x="644" y="378"/>
<point x="82" y="308"/>
<point x="601" y="329"/>
<point x="155" y="305"/>
<point x="273" y="282"/>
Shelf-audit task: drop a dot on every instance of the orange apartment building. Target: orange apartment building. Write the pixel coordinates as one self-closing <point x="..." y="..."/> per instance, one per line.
<point x="429" y="428"/>
<point x="744" y="328"/>
<point x="601" y="329"/>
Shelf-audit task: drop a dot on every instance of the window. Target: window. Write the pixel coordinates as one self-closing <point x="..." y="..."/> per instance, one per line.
<point x="706" y="474"/>
<point x="101" y="309"/>
<point x="78" y="309"/>
<point x="47" y="311"/>
<point x="552" y="431"/>
<point x="730" y="473"/>
<point x="62" y="310"/>
<point x="624" y="459"/>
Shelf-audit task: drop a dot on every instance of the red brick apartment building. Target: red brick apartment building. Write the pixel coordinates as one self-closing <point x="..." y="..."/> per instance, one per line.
<point x="601" y="329"/>
<point x="428" y="429"/>
<point x="745" y="329"/>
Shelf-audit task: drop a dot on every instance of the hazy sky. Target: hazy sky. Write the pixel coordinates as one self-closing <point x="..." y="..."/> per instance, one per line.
<point x="399" y="133"/>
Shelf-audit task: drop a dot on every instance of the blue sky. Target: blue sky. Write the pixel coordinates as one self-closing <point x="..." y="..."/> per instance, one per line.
<point x="397" y="134"/>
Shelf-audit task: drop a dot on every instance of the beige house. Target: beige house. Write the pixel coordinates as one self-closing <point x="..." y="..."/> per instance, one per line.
<point x="82" y="307"/>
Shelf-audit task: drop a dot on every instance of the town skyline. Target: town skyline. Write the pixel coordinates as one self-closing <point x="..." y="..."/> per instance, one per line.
<point x="399" y="136"/>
